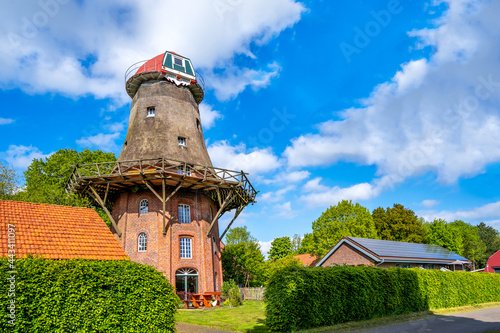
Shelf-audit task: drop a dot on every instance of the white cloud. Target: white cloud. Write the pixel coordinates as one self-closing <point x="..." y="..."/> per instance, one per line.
<point x="438" y="115"/>
<point x="285" y="210"/>
<point x="429" y="203"/>
<point x="276" y="196"/>
<point x="317" y="195"/>
<point x="117" y="127"/>
<point x="104" y="142"/>
<point x="253" y="161"/>
<point x="289" y="177"/>
<point x="20" y="157"/>
<point x="265" y="247"/>
<point x="488" y="212"/>
<point x="234" y="80"/>
<point x="208" y="116"/>
<point x="6" y="121"/>
<point x="81" y="48"/>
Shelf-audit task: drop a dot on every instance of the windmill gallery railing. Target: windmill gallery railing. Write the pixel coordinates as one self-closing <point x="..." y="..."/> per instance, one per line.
<point x="230" y="189"/>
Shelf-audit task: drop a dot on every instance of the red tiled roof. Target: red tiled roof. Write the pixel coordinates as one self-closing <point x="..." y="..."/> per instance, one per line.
<point x="307" y="259"/>
<point x="57" y="232"/>
<point x="153" y="64"/>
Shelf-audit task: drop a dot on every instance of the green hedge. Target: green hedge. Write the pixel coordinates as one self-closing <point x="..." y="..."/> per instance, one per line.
<point x="302" y="297"/>
<point x="87" y="296"/>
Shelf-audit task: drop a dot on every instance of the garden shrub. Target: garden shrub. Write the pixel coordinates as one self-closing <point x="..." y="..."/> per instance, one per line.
<point x="305" y="297"/>
<point x="87" y="296"/>
<point x="231" y="293"/>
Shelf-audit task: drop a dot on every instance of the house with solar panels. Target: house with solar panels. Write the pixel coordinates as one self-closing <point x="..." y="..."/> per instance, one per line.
<point x="354" y="251"/>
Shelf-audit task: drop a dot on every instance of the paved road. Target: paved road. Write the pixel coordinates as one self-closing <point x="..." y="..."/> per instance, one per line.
<point x="191" y="328"/>
<point x="479" y="321"/>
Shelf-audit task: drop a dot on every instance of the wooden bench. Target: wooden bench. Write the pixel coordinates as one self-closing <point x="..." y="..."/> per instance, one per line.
<point x="214" y="296"/>
<point x="204" y="300"/>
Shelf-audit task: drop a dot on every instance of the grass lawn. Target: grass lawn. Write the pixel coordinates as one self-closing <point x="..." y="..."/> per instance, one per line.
<point x="246" y="318"/>
<point x="250" y="317"/>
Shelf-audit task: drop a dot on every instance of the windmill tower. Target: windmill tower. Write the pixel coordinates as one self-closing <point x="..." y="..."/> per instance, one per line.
<point x="163" y="196"/>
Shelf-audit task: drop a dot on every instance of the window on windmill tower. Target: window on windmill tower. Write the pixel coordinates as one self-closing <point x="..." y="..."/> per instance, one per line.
<point x="185" y="248"/>
<point x="184" y="214"/>
<point x="184" y="170"/>
<point x="143" y="207"/>
<point x="150" y="112"/>
<point x="181" y="141"/>
<point x="178" y="61"/>
<point x="142" y="242"/>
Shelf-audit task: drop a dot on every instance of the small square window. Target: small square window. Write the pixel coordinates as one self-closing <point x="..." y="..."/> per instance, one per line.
<point x="150" y="111"/>
<point x="186" y="171"/>
<point x="178" y="61"/>
<point x="181" y="141"/>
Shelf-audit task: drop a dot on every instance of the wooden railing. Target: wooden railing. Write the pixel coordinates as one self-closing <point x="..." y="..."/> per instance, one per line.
<point x="159" y="166"/>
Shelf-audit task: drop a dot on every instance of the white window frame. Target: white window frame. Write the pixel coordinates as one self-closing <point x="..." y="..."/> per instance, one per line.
<point x="182" y="141"/>
<point x="180" y="171"/>
<point x="150" y="111"/>
<point x="186" y="247"/>
<point x="184" y="214"/>
<point x="143" y="207"/>
<point x="177" y="58"/>
<point x="142" y="242"/>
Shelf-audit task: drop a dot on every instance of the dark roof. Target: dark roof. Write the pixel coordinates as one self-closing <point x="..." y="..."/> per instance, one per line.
<point x="383" y="248"/>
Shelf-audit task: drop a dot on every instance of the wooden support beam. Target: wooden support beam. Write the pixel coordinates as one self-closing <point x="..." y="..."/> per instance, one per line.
<point x="216" y="217"/>
<point x="218" y="196"/>
<point x="100" y="202"/>
<point x="238" y="211"/>
<point x="148" y="184"/>
<point x="163" y="188"/>
<point x="106" y="194"/>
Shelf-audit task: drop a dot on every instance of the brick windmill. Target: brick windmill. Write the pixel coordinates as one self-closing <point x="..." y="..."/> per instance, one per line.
<point x="166" y="196"/>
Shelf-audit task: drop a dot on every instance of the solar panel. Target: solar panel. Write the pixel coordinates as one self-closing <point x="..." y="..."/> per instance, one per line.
<point x="385" y="248"/>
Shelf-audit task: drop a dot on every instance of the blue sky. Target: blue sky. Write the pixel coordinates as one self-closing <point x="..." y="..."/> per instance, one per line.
<point x="379" y="102"/>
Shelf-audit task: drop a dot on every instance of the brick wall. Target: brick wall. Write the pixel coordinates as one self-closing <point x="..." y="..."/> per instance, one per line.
<point x="163" y="251"/>
<point x="347" y="255"/>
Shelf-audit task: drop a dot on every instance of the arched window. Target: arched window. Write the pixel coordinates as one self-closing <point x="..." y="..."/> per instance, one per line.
<point x="186" y="282"/>
<point x="143" y="206"/>
<point x="142" y="242"/>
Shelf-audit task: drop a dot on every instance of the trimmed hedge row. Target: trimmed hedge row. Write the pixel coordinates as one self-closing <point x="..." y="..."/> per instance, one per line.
<point x="301" y="297"/>
<point x="86" y="296"/>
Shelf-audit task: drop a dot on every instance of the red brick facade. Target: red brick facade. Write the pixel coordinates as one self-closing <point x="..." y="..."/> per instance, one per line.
<point x="347" y="255"/>
<point x="163" y="251"/>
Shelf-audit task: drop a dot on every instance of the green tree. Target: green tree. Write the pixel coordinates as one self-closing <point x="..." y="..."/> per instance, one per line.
<point x="473" y="247"/>
<point x="242" y="260"/>
<point x="8" y="182"/>
<point x="398" y="224"/>
<point x="280" y="248"/>
<point x="239" y="235"/>
<point x="46" y="178"/>
<point x="272" y="266"/>
<point x="491" y="239"/>
<point x="296" y="242"/>
<point x="343" y="219"/>
<point x="307" y="244"/>
<point x="446" y="235"/>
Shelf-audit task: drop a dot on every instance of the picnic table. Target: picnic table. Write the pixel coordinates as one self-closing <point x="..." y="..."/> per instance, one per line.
<point x="204" y="300"/>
